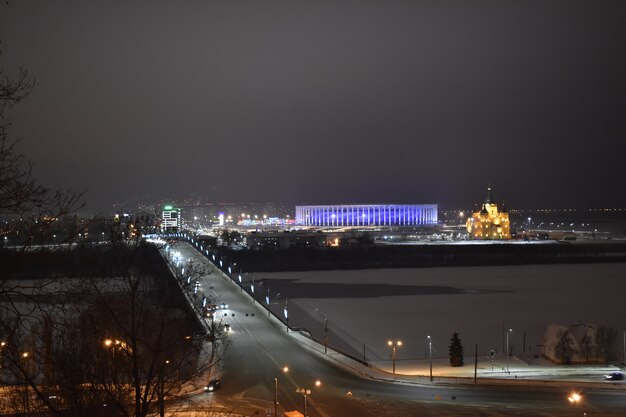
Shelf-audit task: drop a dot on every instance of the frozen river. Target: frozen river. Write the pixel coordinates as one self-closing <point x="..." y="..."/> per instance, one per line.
<point x="365" y="308"/>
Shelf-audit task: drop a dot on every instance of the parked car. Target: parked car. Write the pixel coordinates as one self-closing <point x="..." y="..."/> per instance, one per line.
<point x="213" y="385"/>
<point x="614" y="376"/>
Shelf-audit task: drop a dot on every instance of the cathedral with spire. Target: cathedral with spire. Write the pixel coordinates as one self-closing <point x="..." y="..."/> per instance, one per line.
<point x="491" y="222"/>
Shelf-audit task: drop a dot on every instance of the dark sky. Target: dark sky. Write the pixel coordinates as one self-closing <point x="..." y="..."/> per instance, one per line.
<point x="324" y="101"/>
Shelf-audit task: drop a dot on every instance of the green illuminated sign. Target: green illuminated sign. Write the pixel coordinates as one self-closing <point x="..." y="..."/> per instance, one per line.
<point x="167" y="208"/>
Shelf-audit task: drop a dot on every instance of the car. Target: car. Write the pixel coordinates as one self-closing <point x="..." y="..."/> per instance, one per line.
<point x="213" y="385"/>
<point x="614" y="376"/>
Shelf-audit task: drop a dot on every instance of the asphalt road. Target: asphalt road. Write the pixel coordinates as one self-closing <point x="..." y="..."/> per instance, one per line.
<point x="258" y="349"/>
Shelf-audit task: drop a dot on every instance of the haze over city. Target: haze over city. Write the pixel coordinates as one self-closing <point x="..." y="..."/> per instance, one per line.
<point x="312" y="209"/>
<point x="323" y="102"/>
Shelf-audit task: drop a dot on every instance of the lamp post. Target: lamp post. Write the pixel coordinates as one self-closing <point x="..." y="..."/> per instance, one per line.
<point x="507" y="350"/>
<point x="305" y="393"/>
<point x="393" y="345"/>
<point x="430" y="357"/>
<point x="2" y="345"/>
<point x="285" y="370"/>
<point x="27" y="371"/>
<point x="325" y="334"/>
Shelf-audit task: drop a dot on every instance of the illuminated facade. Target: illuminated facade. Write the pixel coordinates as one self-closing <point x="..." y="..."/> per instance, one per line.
<point x="171" y="219"/>
<point x="367" y="215"/>
<point x="490" y="222"/>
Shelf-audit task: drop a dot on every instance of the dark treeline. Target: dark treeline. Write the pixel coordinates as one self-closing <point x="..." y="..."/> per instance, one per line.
<point x="415" y="256"/>
<point x="98" y="262"/>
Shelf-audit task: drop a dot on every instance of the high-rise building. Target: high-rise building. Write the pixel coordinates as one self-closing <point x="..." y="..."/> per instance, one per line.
<point x="171" y="219"/>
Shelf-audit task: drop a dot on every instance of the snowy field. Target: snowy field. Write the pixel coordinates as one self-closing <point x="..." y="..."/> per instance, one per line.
<point x="365" y="308"/>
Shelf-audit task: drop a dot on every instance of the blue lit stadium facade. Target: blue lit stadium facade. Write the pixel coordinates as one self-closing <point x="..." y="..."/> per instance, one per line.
<point x="367" y="215"/>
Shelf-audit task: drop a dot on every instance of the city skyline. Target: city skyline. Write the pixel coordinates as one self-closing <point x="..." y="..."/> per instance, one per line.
<point x="323" y="103"/>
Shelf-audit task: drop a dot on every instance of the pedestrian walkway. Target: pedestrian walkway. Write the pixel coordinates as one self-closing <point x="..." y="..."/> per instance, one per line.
<point x="536" y="373"/>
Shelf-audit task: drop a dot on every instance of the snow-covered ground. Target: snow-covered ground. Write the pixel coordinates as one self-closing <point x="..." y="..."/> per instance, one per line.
<point x="479" y="303"/>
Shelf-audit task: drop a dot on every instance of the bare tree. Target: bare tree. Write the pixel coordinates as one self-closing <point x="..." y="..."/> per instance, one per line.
<point x="29" y="212"/>
<point x="606" y="338"/>
<point x="564" y="348"/>
<point x="121" y="336"/>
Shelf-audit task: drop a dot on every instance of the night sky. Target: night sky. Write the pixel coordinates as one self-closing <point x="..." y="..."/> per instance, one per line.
<point x="324" y="101"/>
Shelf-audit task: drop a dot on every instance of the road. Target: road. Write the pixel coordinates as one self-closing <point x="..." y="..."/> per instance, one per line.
<point x="259" y="348"/>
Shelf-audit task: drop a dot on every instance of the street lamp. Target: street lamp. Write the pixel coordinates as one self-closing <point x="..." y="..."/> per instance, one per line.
<point x="323" y="313"/>
<point x="305" y="393"/>
<point x="325" y="334"/>
<point x="430" y="357"/>
<point x="2" y="345"/>
<point x="507" y="350"/>
<point x="575" y="398"/>
<point x="285" y="370"/>
<point x="393" y="345"/>
<point x="117" y="344"/>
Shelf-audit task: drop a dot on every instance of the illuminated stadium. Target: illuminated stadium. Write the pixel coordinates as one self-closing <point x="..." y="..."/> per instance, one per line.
<point x="367" y="215"/>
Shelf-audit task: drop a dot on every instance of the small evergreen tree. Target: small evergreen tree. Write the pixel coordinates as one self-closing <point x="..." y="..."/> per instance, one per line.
<point x="456" y="351"/>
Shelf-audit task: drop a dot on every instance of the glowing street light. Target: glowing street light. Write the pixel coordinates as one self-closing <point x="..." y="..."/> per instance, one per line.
<point x="110" y="343"/>
<point x="507" y="350"/>
<point x="2" y="345"/>
<point x="430" y="356"/>
<point x="575" y="398"/>
<point x="285" y="370"/>
<point x="306" y="393"/>
<point x="393" y="345"/>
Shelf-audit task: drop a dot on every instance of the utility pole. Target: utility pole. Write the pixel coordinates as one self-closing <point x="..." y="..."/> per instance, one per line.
<point x="276" y="397"/>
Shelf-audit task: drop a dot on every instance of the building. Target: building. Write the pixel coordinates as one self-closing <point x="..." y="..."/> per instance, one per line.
<point x="367" y="215"/>
<point x="171" y="219"/>
<point x="490" y="222"/>
<point x="285" y="240"/>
